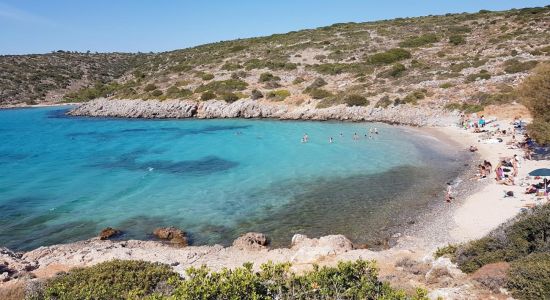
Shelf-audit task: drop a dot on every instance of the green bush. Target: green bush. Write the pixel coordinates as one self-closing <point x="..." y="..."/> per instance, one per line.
<point x="446" y="85"/>
<point x="457" y="39"/>
<point x="230" y="97"/>
<point x="389" y="57"/>
<point x="174" y="92"/>
<point x="298" y="80"/>
<point x="448" y="250"/>
<point x="465" y="107"/>
<point x="395" y="71"/>
<point x="515" y="66"/>
<point x="383" y="102"/>
<point x="181" y="68"/>
<point x="256" y="94"/>
<point x="224" y="86"/>
<point x="534" y="93"/>
<point x="482" y="75"/>
<point x="340" y="68"/>
<point x="273" y="65"/>
<point x="414" y="96"/>
<point x="355" y="100"/>
<point x="529" y="277"/>
<point x="319" y="93"/>
<point x="419" y="41"/>
<point x="116" y="279"/>
<point x="150" y="87"/>
<point x="278" y="95"/>
<point x="229" y="66"/>
<point x="207" y="96"/>
<point x="528" y="233"/>
<point x="317" y="83"/>
<point x="156" y="93"/>
<point x="349" y="280"/>
<point x="98" y="90"/>
<point x="207" y="76"/>
<point x="266" y="77"/>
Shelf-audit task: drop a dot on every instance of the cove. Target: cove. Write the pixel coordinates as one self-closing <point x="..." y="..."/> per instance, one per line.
<point x="65" y="178"/>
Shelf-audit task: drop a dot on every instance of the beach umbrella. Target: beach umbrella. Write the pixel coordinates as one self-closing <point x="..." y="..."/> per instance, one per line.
<point x="540" y="172"/>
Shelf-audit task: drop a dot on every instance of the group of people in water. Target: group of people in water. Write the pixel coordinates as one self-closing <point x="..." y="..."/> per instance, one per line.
<point x="355" y="137"/>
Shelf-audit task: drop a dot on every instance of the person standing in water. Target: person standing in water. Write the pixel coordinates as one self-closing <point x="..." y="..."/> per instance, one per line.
<point x="355" y="136"/>
<point x="449" y="194"/>
<point x="330" y="140"/>
<point x="306" y="138"/>
<point x="375" y="130"/>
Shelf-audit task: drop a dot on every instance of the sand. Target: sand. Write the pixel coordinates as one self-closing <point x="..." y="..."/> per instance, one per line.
<point x="487" y="208"/>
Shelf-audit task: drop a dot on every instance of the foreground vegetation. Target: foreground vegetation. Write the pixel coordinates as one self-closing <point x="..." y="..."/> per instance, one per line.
<point x="524" y="243"/>
<point x="137" y="280"/>
<point x="535" y="93"/>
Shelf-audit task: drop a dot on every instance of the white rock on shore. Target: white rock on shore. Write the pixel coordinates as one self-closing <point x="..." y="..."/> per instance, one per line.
<point x="247" y="108"/>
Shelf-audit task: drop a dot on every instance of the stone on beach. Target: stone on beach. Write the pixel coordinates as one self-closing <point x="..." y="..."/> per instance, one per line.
<point x="251" y="241"/>
<point x="174" y="235"/>
<point x="108" y="233"/>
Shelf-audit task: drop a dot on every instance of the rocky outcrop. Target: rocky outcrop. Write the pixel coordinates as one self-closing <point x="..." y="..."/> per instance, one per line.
<point x="251" y="241"/>
<point x="174" y="235"/>
<point x="108" y="233"/>
<point x="12" y="265"/>
<point x="247" y="108"/>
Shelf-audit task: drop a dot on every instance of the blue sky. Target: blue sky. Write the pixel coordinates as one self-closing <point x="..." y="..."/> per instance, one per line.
<point x="38" y="26"/>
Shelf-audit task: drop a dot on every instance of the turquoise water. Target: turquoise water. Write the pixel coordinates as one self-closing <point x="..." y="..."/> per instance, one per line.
<point x="64" y="178"/>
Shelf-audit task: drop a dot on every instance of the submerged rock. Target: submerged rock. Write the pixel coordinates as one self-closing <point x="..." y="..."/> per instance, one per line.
<point x="108" y="233"/>
<point x="174" y="235"/>
<point x="251" y="241"/>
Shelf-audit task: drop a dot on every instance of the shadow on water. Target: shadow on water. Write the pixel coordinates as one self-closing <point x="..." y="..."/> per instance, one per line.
<point x="27" y="224"/>
<point x="200" y="167"/>
<point x="177" y="132"/>
<point x="58" y="113"/>
<point x="365" y="208"/>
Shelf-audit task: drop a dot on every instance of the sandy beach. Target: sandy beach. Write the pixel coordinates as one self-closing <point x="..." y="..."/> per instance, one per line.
<point x="486" y="209"/>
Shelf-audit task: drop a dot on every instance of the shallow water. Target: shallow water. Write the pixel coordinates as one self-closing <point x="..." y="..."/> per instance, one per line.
<point x="64" y="178"/>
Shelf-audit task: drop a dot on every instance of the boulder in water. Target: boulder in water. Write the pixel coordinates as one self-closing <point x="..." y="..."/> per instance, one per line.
<point x="108" y="233"/>
<point x="174" y="235"/>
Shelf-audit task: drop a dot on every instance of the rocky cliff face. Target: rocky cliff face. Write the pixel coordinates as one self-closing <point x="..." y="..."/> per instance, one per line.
<point x="178" y="109"/>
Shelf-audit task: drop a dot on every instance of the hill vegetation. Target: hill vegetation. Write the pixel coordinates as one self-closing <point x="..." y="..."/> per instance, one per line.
<point x="462" y="61"/>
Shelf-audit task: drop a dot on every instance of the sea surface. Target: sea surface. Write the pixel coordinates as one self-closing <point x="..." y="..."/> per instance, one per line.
<point x="64" y="178"/>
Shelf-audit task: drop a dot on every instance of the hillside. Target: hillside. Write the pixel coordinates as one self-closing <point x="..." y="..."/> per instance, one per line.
<point x="434" y="60"/>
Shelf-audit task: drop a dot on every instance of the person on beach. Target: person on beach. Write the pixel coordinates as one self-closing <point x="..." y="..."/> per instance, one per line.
<point x="473" y="148"/>
<point x="449" y="193"/>
<point x="488" y="166"/>
<point x="499" y="172"/>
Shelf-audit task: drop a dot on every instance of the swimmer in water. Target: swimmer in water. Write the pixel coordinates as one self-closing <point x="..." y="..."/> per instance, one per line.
<point x="330" y="140"/>
<point x="341" y="134"/>
<point x="375" y="130"/>
<point x="306" y="138"/>
<point x="355" y="136"/>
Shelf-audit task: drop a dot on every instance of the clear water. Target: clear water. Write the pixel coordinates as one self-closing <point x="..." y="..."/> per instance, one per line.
<point x="64" y="179"/>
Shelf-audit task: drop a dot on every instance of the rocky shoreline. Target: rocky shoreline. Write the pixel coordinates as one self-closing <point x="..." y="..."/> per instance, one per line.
<point x="247" y="108"/>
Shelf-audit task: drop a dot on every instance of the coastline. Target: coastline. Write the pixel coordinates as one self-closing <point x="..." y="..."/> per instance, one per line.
<point x="478" y="209"/>
<point x="24" y="106"/>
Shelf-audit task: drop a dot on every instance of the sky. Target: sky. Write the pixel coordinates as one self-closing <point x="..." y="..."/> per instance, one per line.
<point x="40" y="26"/>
